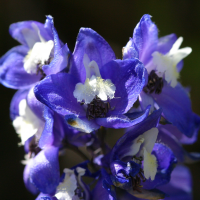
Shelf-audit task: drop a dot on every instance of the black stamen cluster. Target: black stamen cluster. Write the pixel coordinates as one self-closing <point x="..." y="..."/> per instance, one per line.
<point x="140" y="176"/>
<point x="33" y="147"/>
<point x="155" y="83"/>
<point x="40" y="71"/>
<point x="40" y="65"/>
<point x="97" y="108"/>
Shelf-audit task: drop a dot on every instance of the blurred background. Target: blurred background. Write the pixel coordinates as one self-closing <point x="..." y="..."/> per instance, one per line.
<point x="115" y="21"/>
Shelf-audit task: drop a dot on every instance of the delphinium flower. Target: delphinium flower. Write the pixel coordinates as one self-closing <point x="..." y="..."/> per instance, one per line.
<point x="24" y="65"/>
<point x="162" y="57"/>
<point x="98" y="90"/>
<point x="138" y="164"/>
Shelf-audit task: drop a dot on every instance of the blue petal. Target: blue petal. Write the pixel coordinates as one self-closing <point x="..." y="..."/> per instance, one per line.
<point x="103" y="191"/>
<point x="56" y="91"/>
<point x="121" y="169"/>
<point x="25" y="33"/>
<point x="176" y="106"/>
<point x="81" y="123"/>
<point x="180" y="185"/>
<point x="166" y="162"/>
<point x="130" y="51"/>
<point x="123" y="145"/>
<point x="167" y="135"/>
<point x="91" y="43"/>
<point x="183" y="139"/>
<point x="49" y="24"/>
<point x="128" y="76"/>
<point x="145" y="100"/>
<point x="61" y="52"/>
<point x="145" y="37"/>
<point x="14" y="105"/>
<point x="26" y="176"/>
<point x="123" y="183"/>
<point x="49" y="135"/>
<point x="45" y="172"/>
<point x="165" y="43"/>
<point x="59" y="62"/>
<point x="12" y="73"/>
<point x="36" y="106"/>
<point x="121" y="121"/>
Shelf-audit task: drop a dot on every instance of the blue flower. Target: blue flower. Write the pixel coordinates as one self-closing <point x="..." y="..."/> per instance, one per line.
<point x="71" y="185"/>
<point x="98" y="90"/>
<point x="163" y="60"/>
<point x="24" y="65"/>
<point x="138" y="160"/>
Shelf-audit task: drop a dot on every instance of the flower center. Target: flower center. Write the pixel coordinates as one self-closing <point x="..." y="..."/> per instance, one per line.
<point x="97" y="108"/>
<point x="155" y="83"/>
<point x="33" y="147"/>
<point x="40" y="54"/>
<point x="166" y="65"/>
<point x="95" y="91"/>
<point x="140" y="176"/>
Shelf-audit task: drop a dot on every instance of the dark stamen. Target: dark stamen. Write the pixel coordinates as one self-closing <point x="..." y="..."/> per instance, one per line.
<point x="33" y="147"/>
<point x="140" y="176"/>
<point x="79" y="192"/>
<point x="155" y="83"/>
<point x="40" y="65"/>
<point x="97" y="108"/>
<point x="40" y="71"/>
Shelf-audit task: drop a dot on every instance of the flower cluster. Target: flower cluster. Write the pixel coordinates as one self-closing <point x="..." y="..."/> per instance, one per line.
<point x="69" y="100"/>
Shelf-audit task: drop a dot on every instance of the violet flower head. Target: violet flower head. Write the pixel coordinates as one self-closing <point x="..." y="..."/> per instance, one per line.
<point x="139" y="164"/>
<point x="98" y="91"/>
<point x="163" y="60"/>
<point x="24" y="65"/>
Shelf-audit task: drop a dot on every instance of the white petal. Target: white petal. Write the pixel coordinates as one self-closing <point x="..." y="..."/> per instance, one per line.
<point x="38" y="54"/>
<point x="80" y="171"/>
<point x="65" y="190"/>
<point x="94" y="69"/>
<point x="135" y="147"/>
<point x="85" y="91"/>
<point x="176" y="45"/>
<point x="150" y="165"/>
<point x="105" y="88"/>
<point x="27" y="124"/>
<point x="180" y="54"/>
<point x="86" y="62"/>
<point x="30" y="36"/>
<point x="150" y="137"/>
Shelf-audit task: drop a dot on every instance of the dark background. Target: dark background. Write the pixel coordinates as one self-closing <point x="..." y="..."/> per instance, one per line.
<point x="115" y="21"/>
